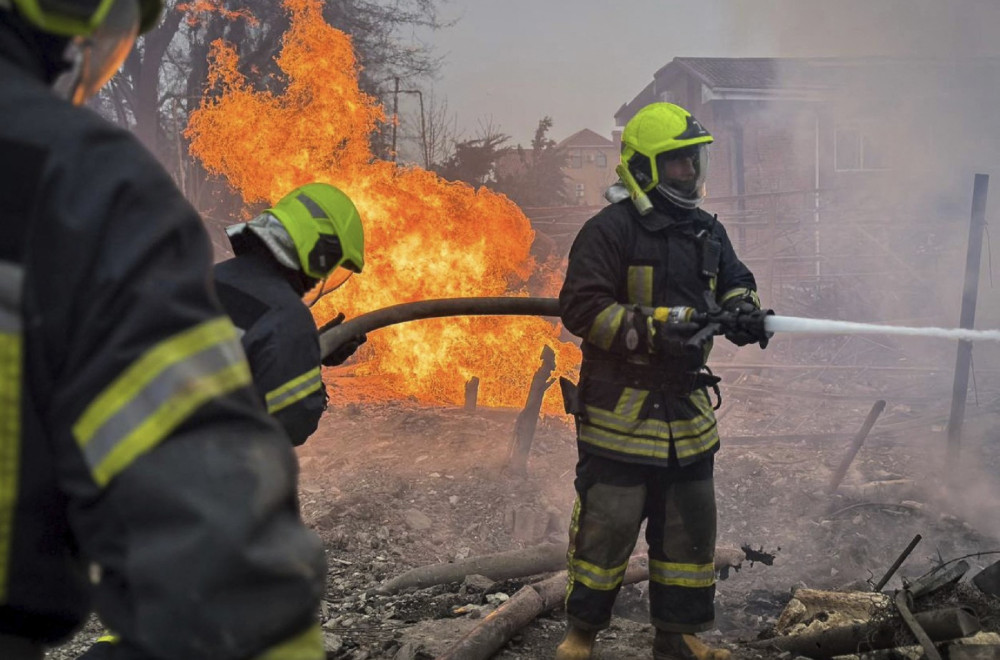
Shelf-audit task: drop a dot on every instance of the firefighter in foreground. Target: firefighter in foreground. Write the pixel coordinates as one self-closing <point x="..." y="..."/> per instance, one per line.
<point x="312" y="235"/>
<point x="646" y="427"/>
<point x="139" y="476"/>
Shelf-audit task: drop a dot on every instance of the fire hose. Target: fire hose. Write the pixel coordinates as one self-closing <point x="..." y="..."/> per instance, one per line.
<point x="333" y="338"/>
<point x="334" y="335"/>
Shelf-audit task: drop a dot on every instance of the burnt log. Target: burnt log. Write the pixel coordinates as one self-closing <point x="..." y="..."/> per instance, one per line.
<point x="859" y="439"/>
<point x="502" y="566"/>
<point x="535" y="560"/>
<point x="483" y="641"/>
<point x="527" y="420"/>
<point x="940" y="625"/>
<point x="835" y="608"/>
<point x="472" y="393"/>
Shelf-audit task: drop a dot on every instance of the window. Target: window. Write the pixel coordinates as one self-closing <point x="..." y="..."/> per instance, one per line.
<point x="576" y="159"/>
<point x="580" y="190"/>
<point x="600" y="159"/>
<point x="858" y="149"/>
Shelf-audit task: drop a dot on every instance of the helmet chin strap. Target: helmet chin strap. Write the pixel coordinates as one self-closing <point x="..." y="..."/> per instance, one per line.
<point x="680" y="201"/>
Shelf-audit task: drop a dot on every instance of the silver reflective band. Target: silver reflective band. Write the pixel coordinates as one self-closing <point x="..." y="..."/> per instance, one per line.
<point x="169" y="383"/>
<point x="294" y="390"/>
<point x="605" y="327"/>
<point x="682" y="575"/>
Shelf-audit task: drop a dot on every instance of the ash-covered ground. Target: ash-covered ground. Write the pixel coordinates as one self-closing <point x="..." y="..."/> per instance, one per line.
<point x="394" y="485"/>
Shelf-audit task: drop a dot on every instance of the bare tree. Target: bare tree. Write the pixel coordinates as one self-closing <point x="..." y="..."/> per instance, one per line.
<point x="163" y="79"/>
<point x="428" y="140"/>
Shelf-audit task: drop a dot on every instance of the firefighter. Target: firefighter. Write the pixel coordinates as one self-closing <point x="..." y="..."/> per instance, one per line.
<point x="139" y="476"/>
<point x="312" y="235"/>
<point x="646" y="428"/>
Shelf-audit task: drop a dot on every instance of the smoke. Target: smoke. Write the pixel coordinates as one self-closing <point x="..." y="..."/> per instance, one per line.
<point x="909" y="116"/>
<point x="861" y="28"/>
<point x="916" y="83"/>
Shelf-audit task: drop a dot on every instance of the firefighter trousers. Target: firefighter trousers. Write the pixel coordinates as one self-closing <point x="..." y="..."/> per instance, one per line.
<point x="678" y="503"/>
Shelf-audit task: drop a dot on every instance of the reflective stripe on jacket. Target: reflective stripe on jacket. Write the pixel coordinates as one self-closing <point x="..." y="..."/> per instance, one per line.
<point x="619" y="261"/>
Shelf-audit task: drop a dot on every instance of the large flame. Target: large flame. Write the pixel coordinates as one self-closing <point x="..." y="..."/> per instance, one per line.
<point x="426" y="237"/>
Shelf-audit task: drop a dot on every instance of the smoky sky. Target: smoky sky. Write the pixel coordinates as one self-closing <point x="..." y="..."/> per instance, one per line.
<point x="516" y="61"/>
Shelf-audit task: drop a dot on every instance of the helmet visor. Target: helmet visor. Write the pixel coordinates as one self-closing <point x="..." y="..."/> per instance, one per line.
<point x="682" y="174"/>
<point x="102" y="53"/>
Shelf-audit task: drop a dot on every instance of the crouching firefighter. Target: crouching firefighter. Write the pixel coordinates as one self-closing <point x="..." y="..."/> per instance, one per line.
<point x="314" y="234"/>
<point x="641" y="274"/>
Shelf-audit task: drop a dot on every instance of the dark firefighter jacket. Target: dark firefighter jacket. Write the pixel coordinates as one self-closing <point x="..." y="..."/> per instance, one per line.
<point x="621" y="260"/>
<point x="138" y="474"/>
<point x="279" y="337"/>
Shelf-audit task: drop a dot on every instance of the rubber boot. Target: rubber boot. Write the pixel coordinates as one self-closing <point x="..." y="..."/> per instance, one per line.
<point x="675" y="646"/>
<point x="578" y="644"/>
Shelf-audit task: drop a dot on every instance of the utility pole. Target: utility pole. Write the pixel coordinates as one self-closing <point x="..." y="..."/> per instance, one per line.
<point x="963" y="361"/>
<point x="396" y="91"/>
<point x="395" y="114"/>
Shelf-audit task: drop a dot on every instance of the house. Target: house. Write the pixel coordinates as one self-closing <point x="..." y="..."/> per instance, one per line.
<point x="590" y="166"/>
<point x="834" y="169"/>
<point x="778" y="123"/>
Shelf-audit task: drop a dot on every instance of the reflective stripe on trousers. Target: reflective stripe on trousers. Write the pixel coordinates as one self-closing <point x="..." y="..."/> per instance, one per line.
<point x="678" y="504"/>
<point x="11" y="360"/>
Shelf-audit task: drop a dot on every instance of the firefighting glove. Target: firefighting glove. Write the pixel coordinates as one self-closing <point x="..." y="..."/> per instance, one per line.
<point x="344" y="351"/>
<point x="748" y="323"/>
<point x="673" y="344"/>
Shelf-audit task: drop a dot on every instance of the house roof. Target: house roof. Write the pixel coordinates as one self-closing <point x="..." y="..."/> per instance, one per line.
<point x="808" y="79"/>
<point x="744" y="77"/>
<point x="586" y="138"/>
<point x="758" y="72"/>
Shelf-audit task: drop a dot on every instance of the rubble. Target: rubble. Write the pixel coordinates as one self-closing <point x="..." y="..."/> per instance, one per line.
<point x="374" y="466"/>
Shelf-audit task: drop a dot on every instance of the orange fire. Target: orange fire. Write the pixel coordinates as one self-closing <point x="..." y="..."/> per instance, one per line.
<point x="196" y="7"/>
<point x="426" y="237"/>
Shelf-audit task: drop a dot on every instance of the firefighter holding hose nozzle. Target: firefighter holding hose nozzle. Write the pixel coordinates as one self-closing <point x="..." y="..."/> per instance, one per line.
<point x="651" y="279"/>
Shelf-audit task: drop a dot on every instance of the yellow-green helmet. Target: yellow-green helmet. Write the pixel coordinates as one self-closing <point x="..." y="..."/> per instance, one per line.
<point x="661" y="132"/>
<point x="325" y="227"/>
<point x="80" y="18"/>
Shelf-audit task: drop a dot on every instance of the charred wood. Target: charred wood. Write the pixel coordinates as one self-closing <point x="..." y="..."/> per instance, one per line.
<point x="472" y="393"/>
<point x="902" y="600"/>
<point x="940" y="625"/>
<point x="937" y="579"/>
<point x="535" y="560"/>
<point x="528" y="603"/>
<point x="896" y="564"/>
<point x="859" y="439"/>
<point x="505" y="565"/>
<point x="527" y="420"/>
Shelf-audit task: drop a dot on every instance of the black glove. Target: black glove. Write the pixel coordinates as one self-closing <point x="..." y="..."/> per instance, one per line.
<point x="673" y="344"/>
<point x="749" y="326"/>
<point x="344" y="351"/>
